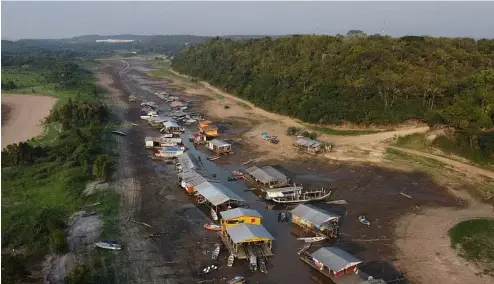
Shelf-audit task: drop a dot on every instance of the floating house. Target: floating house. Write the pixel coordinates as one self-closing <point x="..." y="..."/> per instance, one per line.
<point x="219" y="147"/>
<point x="160" y="142"/>
<point x="176" y="104"/>
<point x="188" y="180"/>
<point x="266" y="177"/>
<point x="169" y="152"/>
<point x="238" y="216"/>
<point x="308" y="145"/>
<point x="316" y="219"/>
<point x="217" y="195"/>
<point x="335" y="263"/>
<point x="199" y="138"/>
<point x="172" y="127"/>
<point x="248" y="240"/>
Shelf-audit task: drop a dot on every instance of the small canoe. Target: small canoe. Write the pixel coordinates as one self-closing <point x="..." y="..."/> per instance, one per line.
<point x="231" y="259"/>
<point x="214" y="215"/>
<point x="305" y="247"/>
<point x="216" y="252"/>
<point x="237" y="280"/>
<point x="262" y="265"/>
<point x="212" y="227"/>
<point x="311" y="239"/>
<point x="108" y="245"/>
<point x="363" y="220"/>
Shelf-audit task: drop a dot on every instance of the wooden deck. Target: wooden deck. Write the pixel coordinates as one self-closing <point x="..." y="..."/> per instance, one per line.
<point x="241" y="252"/>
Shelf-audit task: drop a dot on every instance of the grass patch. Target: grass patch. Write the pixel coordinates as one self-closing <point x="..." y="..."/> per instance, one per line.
<point x="416" y="141"/>
<point x="331" y="131"/>
<point x="220" y="97"/>
<point x="49" y="137"/>
<point x="475" y="241"/>
<point x="244" y="105"/>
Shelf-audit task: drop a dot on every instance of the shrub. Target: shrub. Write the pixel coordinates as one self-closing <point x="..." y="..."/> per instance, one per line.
<point x="292" y="130"/>
<point x="58" y="242"/>
<point x="78" y="275"/>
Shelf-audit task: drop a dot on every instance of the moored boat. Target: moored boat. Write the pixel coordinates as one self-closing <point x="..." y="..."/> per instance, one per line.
<point x="216" y="252"/>
<point x="214" y="215"/>
<point x="212" y="227"/>
<point x="311" y="239"/>
<point x="231" y="259"/>
<point x="237" y="280"/>
<point x="109" y="245"/>
<point x="262" y="265"/>
<point x="305" y="247"/>
<point x="307" y="196"/>
<point x="363" y="220"/>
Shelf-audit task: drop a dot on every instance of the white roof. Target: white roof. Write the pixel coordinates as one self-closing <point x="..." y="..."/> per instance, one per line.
<point x="244" y="232"/>
<point x="307" y="142"/>
<point x="335" y="258"/>
<point x="216" y="193"/>
<point x="314" y="215"/>
<point x="186" y="162"/>
<point x="192" y="178"/>
<point x="219" y="143"/>
<point x="266" y="174"/>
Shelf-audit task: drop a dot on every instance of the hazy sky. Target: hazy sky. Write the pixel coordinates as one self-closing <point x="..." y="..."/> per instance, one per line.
<point x="68" y="19"/>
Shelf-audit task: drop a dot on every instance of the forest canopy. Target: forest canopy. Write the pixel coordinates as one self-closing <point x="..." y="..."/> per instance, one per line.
<point x="358" y="78"/>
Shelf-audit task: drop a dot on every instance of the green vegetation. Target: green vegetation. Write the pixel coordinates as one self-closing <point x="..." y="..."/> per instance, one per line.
<point x="475" y="241"/>
<point x="453" y="144"/>
<point x="43" y="178"/>
<point x="332" y="131"/>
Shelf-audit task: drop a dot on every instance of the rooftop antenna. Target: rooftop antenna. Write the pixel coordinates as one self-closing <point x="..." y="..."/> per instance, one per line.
<point x="384" y="27"/>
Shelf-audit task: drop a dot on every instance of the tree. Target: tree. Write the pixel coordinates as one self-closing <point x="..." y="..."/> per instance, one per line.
<point x="14" y="269"/>
<point x="101" y="168"/>
<point x="356" y="33"/>
<point x="78" y="275"/>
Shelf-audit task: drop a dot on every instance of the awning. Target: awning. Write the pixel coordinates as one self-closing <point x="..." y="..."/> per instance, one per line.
<point x="335" y="258"/>
<point x="248" y="232"/>
<point x="216" y="193"/>
<point x="314" y="215"/>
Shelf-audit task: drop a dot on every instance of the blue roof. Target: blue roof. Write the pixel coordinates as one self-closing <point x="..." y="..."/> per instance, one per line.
<point x="171" y="149"/>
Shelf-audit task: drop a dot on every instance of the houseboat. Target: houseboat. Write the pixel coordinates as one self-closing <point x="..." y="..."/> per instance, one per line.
<point x="147" y="113"/>
<point x="266" y="177"/>
<point x="160" y="142"/>
<point x="199" y="138"/>
<point x="172" y="127"/>
<point x="320" y="221"/>
<point x="208" y="128"/>
<point x="169" y="152"/>
<point x="219" y="147"/>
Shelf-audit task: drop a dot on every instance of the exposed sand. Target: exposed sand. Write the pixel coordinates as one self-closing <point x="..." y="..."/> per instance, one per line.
<point x="25" y="117"/>
<point x="424" y="249"/>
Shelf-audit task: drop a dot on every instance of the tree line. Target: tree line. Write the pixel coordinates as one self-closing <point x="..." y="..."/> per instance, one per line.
<point x="359" y="78"/>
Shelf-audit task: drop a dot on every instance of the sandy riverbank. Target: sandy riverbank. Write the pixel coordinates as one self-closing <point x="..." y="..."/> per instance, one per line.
<point x="24" y="117"/>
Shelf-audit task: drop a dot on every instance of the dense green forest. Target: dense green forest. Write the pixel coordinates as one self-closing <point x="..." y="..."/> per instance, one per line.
<point x="42" y="180"/>
<point x="357" y="78"/>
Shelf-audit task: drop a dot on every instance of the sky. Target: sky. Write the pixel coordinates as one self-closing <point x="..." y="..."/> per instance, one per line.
<point x="67" y="19"/>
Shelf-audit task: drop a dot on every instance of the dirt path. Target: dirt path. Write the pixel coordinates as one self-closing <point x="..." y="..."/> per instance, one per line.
<point x="26" y="113"/>
<point x="424" y="246"/>
<point x="458" y="166"/>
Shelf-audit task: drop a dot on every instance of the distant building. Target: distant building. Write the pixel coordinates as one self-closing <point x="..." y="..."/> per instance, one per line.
<point x="115" y="40"/>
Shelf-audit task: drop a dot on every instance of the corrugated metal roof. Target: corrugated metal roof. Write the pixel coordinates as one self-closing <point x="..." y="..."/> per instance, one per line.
<point x="216" y="193"/>
<point x="335" y="258"/>
<point x="307" y="142"/>
<point x="245" y="232"/>
<point x="192" y="178"/>
<point x="266" y="174"/>
<point x="170" y="124"/>
<point x="186" y="162"/>
<point x="239" y="212"/>
<point x="314" y="215"/>
<point x="219" y="143"/>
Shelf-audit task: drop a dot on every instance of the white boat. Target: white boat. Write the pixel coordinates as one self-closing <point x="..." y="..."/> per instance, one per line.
<point x="216" y="252"/>
<point x="231" y="259"/>
<point x="306" y="196"/>
<point x="108" y="245"/>
<point x="363" y="220"/>
<point x="262" y="265"/>
<point x="212" y="227"/>
<point x="311" y="239"/>
<point x="214" y="215"/>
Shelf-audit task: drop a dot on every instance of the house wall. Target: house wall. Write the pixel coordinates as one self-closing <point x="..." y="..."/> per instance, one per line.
<point x="240" y="220"/>
<point x="303" y="223"/>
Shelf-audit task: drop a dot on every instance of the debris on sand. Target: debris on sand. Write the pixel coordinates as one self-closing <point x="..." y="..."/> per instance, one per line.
<point x="406" y="195"/>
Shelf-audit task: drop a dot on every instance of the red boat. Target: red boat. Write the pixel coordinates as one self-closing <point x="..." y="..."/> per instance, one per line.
<point x="212" y="227"/>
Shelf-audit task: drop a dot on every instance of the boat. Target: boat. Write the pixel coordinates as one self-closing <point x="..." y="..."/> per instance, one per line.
<point x="214" y="215"/>
<point x="311" y="239"/>
<point x="201" y="200"/>
<point x="216" y="252"/>
<point x="231" y="259"/>
<point x="363" y="220"/>
<point x="237" y="174"/>
<point x="119" y="133"/>
<point x="262" y="265"/>
<point x="338" y="202"/>
<point x="109" y="245"/>
<point x="212" y="227"/>
<point x="237" y="280"/>
<point x="306" y="196"/>
<point x="232" y="179"/>
<point x="305" y="247"/>
<point x="213" y="158"/>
